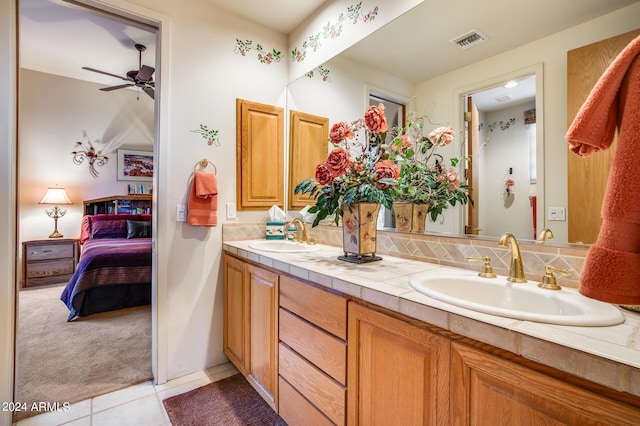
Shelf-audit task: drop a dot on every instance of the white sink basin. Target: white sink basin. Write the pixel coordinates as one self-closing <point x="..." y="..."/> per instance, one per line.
<point x="283" y="246"/>
<point x="497" y="296"/>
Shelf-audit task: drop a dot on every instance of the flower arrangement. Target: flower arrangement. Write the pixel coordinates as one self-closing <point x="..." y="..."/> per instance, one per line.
<point x="357" y="170"/>
<point x="424" y="178"/>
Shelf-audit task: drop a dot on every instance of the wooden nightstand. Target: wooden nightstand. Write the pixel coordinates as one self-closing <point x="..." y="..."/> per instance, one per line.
<point x="50" y="261"/>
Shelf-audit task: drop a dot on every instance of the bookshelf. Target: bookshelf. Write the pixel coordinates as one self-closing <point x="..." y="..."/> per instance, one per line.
<point x="119" y="204"/>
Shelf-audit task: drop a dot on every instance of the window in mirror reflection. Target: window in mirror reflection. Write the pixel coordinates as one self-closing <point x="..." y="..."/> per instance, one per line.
<point x="395" y="111"/>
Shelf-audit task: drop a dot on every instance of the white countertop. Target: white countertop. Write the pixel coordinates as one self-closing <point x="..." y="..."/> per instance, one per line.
<point x="606" y="355"/>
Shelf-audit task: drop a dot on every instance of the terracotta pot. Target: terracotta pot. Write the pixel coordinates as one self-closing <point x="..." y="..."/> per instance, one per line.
<point x="410" y="217"/>
<point x="359" y="232"/>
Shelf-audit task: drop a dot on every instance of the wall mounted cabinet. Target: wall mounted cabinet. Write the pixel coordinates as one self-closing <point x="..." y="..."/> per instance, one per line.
<point x="260" y="155"/>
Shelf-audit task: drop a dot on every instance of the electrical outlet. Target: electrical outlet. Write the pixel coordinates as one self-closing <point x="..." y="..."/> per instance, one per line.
<point x="231" y="211"/>
<point x="181" y="213"/>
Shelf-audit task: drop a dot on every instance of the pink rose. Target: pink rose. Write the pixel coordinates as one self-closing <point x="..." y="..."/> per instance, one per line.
<point x="385" y="169"/>
<point x="323" y="175"/>
<point x="451" y="177"/>
<point x="442" y="136"/>
<point x="339" y="132"/>
<point x="338" y="162"/>
<point x="403" y="144"/>
<point x="375" y="120"/>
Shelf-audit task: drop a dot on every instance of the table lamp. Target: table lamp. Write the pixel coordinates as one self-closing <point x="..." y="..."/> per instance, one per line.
<point x="55" y="196"/>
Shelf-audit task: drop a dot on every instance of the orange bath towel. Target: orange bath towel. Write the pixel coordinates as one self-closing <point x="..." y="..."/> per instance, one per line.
<point x="611" y="272"/>
<point x="202" y="207"/>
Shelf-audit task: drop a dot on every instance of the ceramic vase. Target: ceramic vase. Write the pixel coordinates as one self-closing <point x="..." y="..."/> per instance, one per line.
<point x="410" y="217"/>
<point x="359" y="232"/>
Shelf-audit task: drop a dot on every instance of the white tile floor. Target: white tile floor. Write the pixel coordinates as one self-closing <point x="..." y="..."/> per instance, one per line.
<point x="136" y="405"/>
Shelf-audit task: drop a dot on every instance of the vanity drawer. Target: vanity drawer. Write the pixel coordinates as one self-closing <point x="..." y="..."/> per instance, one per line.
<point x="324" y="309"/>
<point x="324" y="393"/>
<point x="322" y="349"/>
<point x="296" y="410"/>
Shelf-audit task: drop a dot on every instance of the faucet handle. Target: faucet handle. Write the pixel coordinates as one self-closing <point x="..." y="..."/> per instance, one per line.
<point x="549" y="280"/>
<point x="487" y="269"/>
<point x="311" y="239"/>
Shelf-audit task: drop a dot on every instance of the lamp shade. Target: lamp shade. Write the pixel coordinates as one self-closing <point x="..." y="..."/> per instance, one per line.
<point x="55" y="195"/>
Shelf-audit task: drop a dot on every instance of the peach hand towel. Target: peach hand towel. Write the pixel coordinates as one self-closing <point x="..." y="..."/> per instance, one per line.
<point x="202" y="206"/>
<point x="611" y="272"/>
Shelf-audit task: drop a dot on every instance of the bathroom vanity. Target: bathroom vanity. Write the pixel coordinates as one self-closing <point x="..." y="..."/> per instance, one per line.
<point x="327" y="342"/>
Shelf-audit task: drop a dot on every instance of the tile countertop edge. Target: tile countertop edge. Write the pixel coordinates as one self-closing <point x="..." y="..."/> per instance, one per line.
<point x="593" y="353"/>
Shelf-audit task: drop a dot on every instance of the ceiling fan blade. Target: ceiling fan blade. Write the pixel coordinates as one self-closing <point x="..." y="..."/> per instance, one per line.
<point x="122" y="86"/>
<point x="149" y="91"/>
<point x="145" y="73"/>
<point x="104" y="72"/>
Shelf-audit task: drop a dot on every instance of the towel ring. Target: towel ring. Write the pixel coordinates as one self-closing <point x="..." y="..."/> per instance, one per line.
<point x="204" y="163"/>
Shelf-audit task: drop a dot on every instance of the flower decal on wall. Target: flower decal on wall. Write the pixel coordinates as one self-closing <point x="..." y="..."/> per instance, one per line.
<point x="210" y="135"/>
<point x="246" y="46"/>
<point x="322" y="71"/>
<point x="333" y="30"/>
<point x="85" y="151"/>
<point x="503" y="125"/>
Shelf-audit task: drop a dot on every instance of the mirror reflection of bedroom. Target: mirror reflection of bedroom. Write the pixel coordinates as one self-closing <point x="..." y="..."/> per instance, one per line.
<point x="85" y="172"/>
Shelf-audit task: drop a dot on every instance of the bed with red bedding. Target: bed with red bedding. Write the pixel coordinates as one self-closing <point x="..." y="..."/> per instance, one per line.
<point x="114" y="269"/>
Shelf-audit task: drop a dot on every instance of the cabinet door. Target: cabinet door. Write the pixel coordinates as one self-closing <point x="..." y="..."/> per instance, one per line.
<point x="236" y="314"/>
<point x="263" y="320"/>
<point x="260" y="155"/>
<point x="398" y="373"/>
<point x="488" y="390"/>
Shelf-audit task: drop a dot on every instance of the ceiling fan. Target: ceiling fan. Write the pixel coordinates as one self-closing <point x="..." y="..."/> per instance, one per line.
<point x="139" y="78"/>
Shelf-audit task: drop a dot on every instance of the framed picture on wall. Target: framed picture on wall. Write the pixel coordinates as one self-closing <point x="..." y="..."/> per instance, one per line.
<point x="135" y="165"/>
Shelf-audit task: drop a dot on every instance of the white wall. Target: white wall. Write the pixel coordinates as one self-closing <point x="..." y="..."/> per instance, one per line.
<point x="552" y="52"/>
<point x="54" y="113"/>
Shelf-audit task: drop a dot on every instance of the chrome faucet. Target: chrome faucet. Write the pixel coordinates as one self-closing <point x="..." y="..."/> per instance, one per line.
<point x="545" y="234"/>
<point x="516" y="270"/>
<point x="305" y="238"/>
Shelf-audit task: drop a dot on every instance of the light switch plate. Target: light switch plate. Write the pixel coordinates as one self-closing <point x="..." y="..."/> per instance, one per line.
<point x="558" y="213"/>
<point x="231" y="211"/>
<point x="181" y="213"/>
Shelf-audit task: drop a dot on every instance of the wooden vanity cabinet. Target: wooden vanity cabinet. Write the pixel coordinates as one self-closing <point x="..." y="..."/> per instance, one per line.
<point x="401" y="372"/>
<point x="487" y="389"/>
<point x="312" y="354"/>
<point x="398" y="373"/>
<point x="250" y="335"/>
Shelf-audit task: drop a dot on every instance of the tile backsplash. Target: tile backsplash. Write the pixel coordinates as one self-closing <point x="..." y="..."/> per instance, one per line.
<point x="446" y="250"/>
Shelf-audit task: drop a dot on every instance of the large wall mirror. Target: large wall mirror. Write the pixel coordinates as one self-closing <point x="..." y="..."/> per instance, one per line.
<point x="522" y="140"/>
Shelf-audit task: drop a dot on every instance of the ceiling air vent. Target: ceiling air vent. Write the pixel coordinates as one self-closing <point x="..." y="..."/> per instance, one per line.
<point x="469" y="39"/>
<point x="503" y="98"/>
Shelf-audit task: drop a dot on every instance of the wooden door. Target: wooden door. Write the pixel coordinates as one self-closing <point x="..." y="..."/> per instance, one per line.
<point x="260" y="155"/>
<point x="587" y="177"/>
<point x="398" y="373"/>
<point x="236" y="314"/>
<point x="488" y="390"/>
<point x="263" y="329"/>
<point x="473" y="167"/>
<point x="308" y="147"/>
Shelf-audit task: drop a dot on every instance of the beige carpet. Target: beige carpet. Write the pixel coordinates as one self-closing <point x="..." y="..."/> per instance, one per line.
<point x="60" y="361"/>
<point x="227" y="402"/>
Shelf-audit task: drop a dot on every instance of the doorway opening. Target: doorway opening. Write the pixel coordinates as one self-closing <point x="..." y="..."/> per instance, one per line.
<point x="503" y="144"/>
<point x="59" y="109"/>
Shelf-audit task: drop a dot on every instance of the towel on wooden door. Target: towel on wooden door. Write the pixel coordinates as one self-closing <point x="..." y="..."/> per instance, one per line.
<point x="202" y="206"/>
<point x="611" y="272"/>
